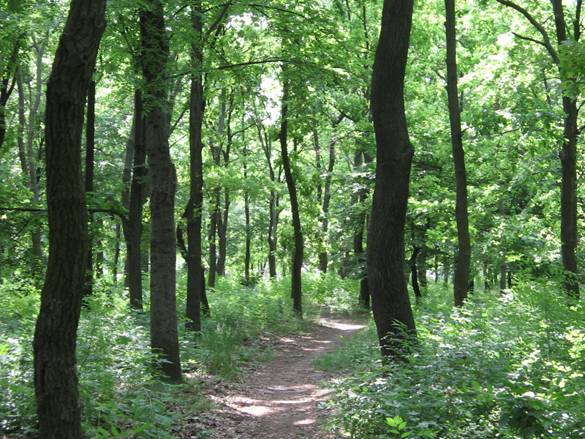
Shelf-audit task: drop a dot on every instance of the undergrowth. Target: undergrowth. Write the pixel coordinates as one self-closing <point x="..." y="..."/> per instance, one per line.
<point x="121" y="394"/>
<point x="503" y="366"/>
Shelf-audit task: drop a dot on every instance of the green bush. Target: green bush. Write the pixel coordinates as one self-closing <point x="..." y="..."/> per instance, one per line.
<point x="502" y="366"/>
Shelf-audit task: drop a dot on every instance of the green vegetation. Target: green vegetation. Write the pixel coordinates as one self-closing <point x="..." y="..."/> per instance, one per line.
<point x="508" y="365"/>
<point x="183" y="180"/>
<point x="121" y="392"/>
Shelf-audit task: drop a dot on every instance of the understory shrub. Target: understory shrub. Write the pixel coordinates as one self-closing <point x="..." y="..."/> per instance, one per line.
<point x="503" y="366"/>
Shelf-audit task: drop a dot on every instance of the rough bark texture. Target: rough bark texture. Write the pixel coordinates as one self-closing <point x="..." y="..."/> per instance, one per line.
<point x="463" y="257"/>
<point x="195" y="278"/>
<point x="568" y="158"/>
<point x="56" y="328"/>
<point x="297" y="259"/>
<point x="135" y="205"/>
<point x="163" y="307"/>
<point x="390" y="301"/>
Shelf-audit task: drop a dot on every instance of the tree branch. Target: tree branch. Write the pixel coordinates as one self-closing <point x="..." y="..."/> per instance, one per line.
<point x="539" y="27"/>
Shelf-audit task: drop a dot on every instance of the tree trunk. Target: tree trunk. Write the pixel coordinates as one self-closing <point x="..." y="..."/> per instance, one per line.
<point x="55" y="336"/>
<point x="134" y="225"/>
<point x="195" y="277"/>
<point x="223" y="231"/>
<point x="421" y="260"/>
<point x="7" y="86"/>
<point x="568" y="158"/>
<point x="414" y="272"/>
<point x="463" y="258"/>
<point x="390" y="301"/>
<point x="273" y="202"/>
<point x="163" y="316"/>
<point x="297" y="260"/>
<point x="503" y="271"/>
<point x="247" y="253"/>
<point x="116" y="259"/>
<point x="214" y="225"/>
<point x="89" y="178"/>
<point x="323" y="257"/>
<point x="25" y="163"/>
<point x="358" y="236"/>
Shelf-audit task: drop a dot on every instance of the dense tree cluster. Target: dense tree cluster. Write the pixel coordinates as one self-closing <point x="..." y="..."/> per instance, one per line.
<point x="270" y="139"/>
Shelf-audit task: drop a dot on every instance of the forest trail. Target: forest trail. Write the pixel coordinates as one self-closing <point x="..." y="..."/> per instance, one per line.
<point x="280" y="399"/>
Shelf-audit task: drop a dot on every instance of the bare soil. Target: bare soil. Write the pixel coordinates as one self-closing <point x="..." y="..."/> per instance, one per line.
<point x="280" y="399"/>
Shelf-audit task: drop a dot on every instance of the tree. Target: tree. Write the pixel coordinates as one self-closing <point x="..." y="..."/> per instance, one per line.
<point x="568" y="153"/>
<point x="463" y="258"/>
<point x="56" y="329"/>
<point x="163" y="308"/>
<point x="195" y="277"/>
<point x="297" y="258"/>
<point x="390" y="301"/>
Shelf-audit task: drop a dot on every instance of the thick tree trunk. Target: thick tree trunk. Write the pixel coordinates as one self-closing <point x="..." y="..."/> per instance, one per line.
<point x="56" y="328"/>
<point x="163" y="307"/>
<point x="89" y="178"/>
<point x="134" y="227"/>
<point x="195" y="277"/>
<point x="463" y="258"/>
<point x="390" y="301"/>
<point x="568" y="156"/>
<point x="297" y="259"/>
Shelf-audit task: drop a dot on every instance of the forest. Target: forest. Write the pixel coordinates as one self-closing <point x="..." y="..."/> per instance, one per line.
<point x="292" y="219"/>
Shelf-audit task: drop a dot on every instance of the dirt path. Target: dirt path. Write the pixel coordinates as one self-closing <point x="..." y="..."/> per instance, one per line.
<point x="280" y="400"/>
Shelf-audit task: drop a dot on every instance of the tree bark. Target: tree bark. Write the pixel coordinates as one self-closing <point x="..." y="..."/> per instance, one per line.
<point x="297" y="259"/>
<point x="214" y="225"/>
<point x="463" y="258"/>
<point x="414" y="272"/>
<point x="195" y="278"/>
<point x="163" y="317"/>
<point x="361" y="159"/>
<point x="223" y="232"/>
<point x="568" y="156"/>
<point x="390" y="301"/>
<point x="7" y="81"/>
<point x="55" y="336"/>
<point x="89" y="178"/>
<point x="273" y="202"/>
<point x="136" y="200"/>
<point x="323" y="256"/>
<point x="248" y="230"/>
